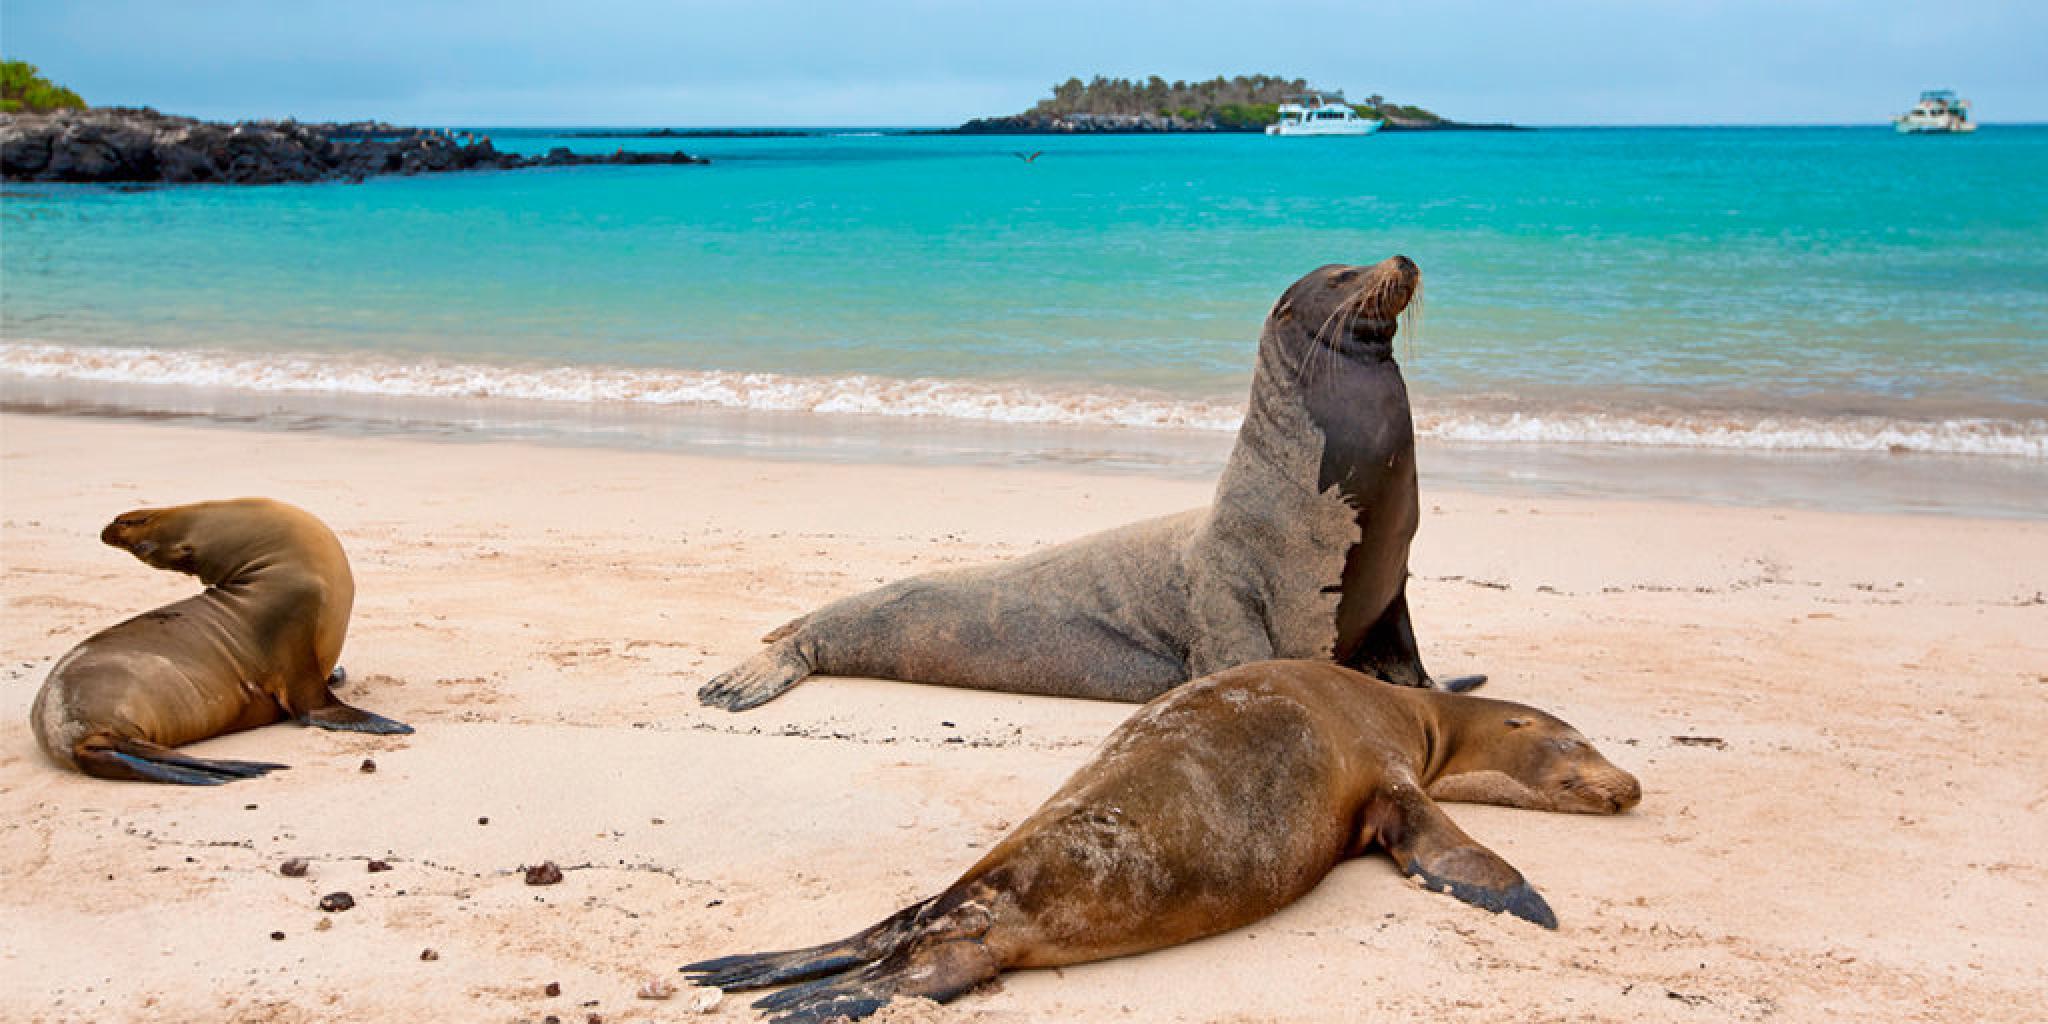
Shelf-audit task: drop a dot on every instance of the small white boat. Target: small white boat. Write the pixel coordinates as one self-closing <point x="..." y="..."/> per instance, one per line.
<point x="1938" y="112"/>
<point x="1321" y="114"/>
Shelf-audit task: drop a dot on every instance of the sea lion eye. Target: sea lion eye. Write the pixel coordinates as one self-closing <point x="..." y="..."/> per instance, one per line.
<point x="1516" y="723"/>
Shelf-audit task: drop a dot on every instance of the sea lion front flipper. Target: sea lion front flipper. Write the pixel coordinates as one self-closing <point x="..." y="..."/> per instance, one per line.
<point x="345" y="718"/>
<point x="757" y="680"/>
<point x="1389" y="651"/>
<point x="143" y="761"/>
<point x="1425" y="843"/>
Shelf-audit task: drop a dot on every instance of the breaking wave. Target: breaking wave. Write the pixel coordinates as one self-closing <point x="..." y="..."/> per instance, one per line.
<point x="988" y="401"/>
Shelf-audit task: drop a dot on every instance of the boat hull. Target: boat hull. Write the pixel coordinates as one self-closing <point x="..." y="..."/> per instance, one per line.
<point x="1905" y="127"/>
<point x="1363" y="126"/>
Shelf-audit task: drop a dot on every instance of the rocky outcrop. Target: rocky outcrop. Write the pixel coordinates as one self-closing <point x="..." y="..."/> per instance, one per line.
<point x="141" y="145"/>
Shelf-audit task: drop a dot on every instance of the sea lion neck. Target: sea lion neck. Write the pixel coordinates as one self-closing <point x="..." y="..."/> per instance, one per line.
<point x="1435" y="735"/>
<point x="1455" y="716"/>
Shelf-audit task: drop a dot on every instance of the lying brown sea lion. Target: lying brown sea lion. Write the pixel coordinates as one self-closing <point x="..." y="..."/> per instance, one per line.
<point x="1212" y="807"/>
<point x="1303" y="553"/>
<point x="257" y="646"/>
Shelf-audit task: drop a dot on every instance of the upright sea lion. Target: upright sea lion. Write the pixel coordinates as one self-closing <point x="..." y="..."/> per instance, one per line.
<point x="1303" y="554"/>
<point x="1213" y="806"/>
<point x="258" y="645"/>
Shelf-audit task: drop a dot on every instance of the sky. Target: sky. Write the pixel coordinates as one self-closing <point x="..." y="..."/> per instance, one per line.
<point x="931" y="62"/>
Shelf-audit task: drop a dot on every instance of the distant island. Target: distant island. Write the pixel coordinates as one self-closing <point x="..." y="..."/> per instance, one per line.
<point x="137" y="145"/>
<point x="1246" y="103"/>
<point x="49" y="133"/>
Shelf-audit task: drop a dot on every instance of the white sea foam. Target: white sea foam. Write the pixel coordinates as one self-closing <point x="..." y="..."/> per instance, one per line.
<point x="1751" y="432"/>
<point x="767" y="392"/>
<point x="993" y="402"/>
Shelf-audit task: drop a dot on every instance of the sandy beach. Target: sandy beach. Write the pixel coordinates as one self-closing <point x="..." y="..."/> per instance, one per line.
<point x="1836" y="719"/>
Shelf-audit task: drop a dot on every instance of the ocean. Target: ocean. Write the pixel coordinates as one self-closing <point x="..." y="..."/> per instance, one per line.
<point x="1838" y="316"/>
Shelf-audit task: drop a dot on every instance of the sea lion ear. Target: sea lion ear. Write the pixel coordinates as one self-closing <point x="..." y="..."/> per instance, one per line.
<point x="1427" y="845"/>
<point x="1284" y="311"/>
<point x="1516" y="723"/>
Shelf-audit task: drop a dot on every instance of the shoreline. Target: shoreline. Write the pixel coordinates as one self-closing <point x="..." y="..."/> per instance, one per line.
<point x="1525" y="462"/>
<point x="1838" y="692"/>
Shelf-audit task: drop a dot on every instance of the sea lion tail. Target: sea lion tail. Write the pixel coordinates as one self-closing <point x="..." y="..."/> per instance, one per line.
<point x="785" y="631"/>
<point x="140" y="760"/>
<point x="760" y="970"/>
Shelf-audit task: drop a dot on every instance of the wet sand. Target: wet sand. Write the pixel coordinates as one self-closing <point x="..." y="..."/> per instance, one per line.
<point x="1835" y="716"/>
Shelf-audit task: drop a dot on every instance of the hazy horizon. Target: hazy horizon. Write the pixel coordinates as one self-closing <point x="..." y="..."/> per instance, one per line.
<point x="918" y="64"/>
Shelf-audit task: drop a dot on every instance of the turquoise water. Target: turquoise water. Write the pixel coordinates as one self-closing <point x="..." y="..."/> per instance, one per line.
<point x="1809" y="288"/>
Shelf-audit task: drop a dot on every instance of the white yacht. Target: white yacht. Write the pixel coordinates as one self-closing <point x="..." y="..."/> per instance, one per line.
<point x="1321" y="114"/>
<point x="1938" y="111"/>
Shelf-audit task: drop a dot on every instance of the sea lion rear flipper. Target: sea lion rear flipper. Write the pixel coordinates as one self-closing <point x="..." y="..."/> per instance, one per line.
<point x="1460" y="684"/>
<point x="760" y="970"/>
<point x="1425" y="843"/>
<point x="344" y="718"/>
<point x="935" y="970"/>
<point x="143" y="761"/>
<point x="759" y="679"/>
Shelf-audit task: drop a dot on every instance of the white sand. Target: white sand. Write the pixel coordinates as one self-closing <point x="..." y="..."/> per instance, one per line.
<point x="1867" y="841"/>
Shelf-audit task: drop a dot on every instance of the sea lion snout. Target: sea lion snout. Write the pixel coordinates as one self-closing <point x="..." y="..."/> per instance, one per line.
<point x="1518" y="756"/>
<point x="1596" y="789"/>
<point x="139" y="534"/>
<point x="130" y="532"/>
<point x="1364" y="303"/>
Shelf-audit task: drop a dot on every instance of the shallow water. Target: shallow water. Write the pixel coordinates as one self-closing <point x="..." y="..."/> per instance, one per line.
<point x="1743" y="289"/>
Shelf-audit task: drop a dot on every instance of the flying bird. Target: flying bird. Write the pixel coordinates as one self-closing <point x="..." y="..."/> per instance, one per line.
<point x="1027" y="158"/>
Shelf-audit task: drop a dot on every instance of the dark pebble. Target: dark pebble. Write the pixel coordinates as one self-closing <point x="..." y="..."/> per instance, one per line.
<point x="554" y="989"/>
<point x="368" y="767"/>
<point x="378" y="865"/>
<point x="483" y="821"/>
<point x="428" y="954"/>
<point x="293" y="868"/>
<point x="551" y="1019"/>
<point x="544" y="873"/>
<point x="715" y="903"/>
<point x="336" y="902"/>
<point x="277" y="936"/>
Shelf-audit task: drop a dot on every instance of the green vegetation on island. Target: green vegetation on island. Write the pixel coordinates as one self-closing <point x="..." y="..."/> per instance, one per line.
<point x="1246" y="103"/>
<point x="24" y="89"/>
<point x="1243" y="103"/>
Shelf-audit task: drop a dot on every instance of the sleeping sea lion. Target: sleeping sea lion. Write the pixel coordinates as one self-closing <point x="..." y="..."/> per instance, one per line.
<point x="1211" y="807"/>
<point x="1303" y="554"/>
<point x="257" y="646"/>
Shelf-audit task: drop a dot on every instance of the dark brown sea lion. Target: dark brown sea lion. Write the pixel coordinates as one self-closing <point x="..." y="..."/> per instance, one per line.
<point x="258" y="646"/>
<point x="1303" y="554"/>
<point x="1213" y="806"/>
